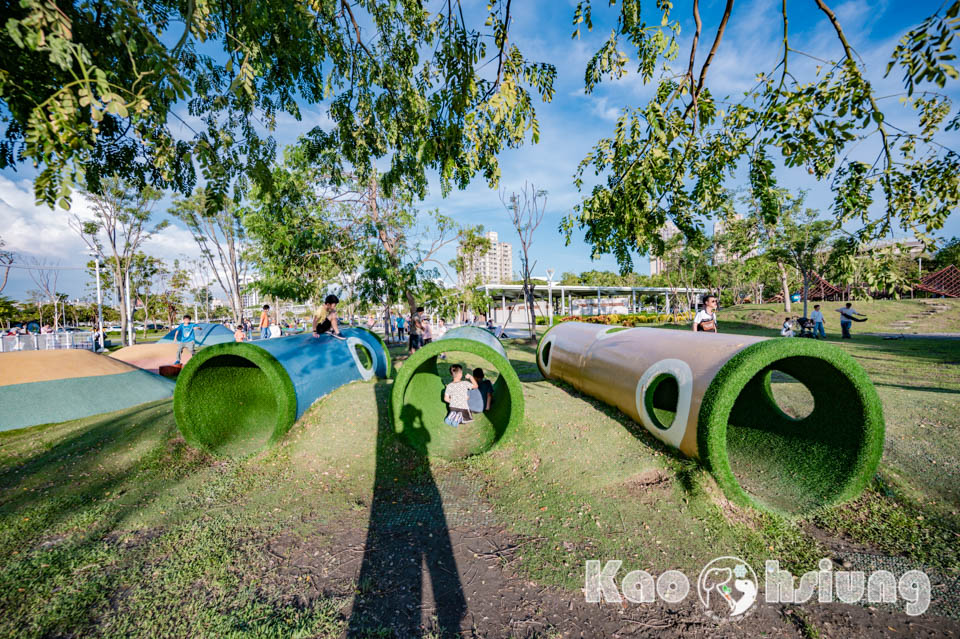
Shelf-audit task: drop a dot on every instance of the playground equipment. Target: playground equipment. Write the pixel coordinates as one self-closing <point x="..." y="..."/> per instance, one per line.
<point x="709" y="396"/>
<point x="150" y="357"/>
<point x="417" y="396"/>
<point x="235" y="398"/>
<point x="207" y="334"/>
<point x="43" y="387"/>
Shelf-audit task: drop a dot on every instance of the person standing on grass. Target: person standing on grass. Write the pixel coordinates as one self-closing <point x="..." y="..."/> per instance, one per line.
<point x="427" y="331"/>
<point x="817" y="318"/>
<point x="327" y="320"/>
<point x="186" y="337"/>
<point x="400" y="324"/>
<point x="706" y="318"/>
<point x="847" y="314"/>
<point x="265" y="322"/>
<point x="416" y="330"/>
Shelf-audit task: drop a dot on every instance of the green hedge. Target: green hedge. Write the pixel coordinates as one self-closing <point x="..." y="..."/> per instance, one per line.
<point x="616" y="319"/>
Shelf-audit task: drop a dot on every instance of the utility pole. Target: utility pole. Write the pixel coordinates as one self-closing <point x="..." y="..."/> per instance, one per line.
<point x="129" y="335"/>
<point x="550" y="273"/>
<point x="96" y="256"/>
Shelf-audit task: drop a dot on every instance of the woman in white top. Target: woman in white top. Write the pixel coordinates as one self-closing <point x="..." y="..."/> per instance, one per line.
<point x="706" y="318"/>
<point x="787" y="329"/>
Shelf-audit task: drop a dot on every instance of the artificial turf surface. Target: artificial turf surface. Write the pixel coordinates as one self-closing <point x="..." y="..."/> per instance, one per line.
<point x="237" y="398"/>
<point x="417" y="396"/>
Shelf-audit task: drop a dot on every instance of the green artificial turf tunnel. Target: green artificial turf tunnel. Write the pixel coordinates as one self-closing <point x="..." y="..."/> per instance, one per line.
<point x="417" y="396"/>
<point x="237" y="398"/>
<point x="710" y="396"/>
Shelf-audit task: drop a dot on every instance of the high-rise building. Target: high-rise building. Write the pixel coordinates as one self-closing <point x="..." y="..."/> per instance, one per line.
<point x="656" y="263"/>
<point x="493" y="267"/>
<point x="720" y="256"/>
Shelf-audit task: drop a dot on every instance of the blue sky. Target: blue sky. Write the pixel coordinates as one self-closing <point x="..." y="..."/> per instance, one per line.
<point x="570" y="125"/>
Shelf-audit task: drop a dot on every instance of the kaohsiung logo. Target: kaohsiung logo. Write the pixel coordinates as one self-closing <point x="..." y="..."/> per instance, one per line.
<point x="729" y="590"/>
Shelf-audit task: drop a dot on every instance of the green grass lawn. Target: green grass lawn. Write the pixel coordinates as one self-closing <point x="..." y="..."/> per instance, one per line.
<point x="884" y="316"/>
<point x="112" y="526"/>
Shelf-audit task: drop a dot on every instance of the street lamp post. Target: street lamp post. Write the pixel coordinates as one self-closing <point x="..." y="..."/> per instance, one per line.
<point x="96" y="257"/>
<point x="550" y="273"/>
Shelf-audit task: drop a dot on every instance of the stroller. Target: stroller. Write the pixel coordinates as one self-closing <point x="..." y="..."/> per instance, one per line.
<point x="806" y="327"/>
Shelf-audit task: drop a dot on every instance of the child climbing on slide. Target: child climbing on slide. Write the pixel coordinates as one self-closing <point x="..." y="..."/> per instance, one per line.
<point x="457" y="396"/>
<point x="186" y="337"/>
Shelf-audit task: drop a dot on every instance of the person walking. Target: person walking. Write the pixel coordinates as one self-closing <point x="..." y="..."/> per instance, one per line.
<point x="706" y="318"/>
<point x="847" y="317"/>
<point x="265" y="322"/>
<point x="817" y="318"/>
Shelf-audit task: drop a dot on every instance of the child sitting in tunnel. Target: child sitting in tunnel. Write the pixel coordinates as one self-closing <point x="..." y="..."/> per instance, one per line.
<point x="482" y="397"/>
<point x="457" y="396"/>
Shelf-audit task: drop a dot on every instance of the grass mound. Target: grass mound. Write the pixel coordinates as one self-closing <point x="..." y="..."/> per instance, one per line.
<point x="419" y="410"/>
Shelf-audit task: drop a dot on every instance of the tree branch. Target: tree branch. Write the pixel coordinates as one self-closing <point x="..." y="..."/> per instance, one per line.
<point x="356" y="27"/>
<point x="693" y="46"/>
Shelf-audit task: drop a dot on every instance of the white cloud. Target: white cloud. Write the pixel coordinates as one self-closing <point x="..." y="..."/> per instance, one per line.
<point x="38" y="230"/>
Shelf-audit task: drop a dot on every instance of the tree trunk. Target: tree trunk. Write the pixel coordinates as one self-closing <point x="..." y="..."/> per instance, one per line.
<point x="784" y="285"/>
<point x="146" y="314"/>
<point x="806" y="289"/>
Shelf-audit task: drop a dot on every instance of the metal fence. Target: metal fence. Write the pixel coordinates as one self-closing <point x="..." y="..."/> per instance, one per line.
<point x="48" y="341"/>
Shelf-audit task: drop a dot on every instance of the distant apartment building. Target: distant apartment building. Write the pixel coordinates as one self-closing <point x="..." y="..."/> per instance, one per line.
<point x="657" y="265"/>
<point x="493" y="267"/>
<point x="721" y="256"/>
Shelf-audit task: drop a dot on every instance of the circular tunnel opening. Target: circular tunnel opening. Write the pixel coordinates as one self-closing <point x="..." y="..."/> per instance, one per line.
<point x="420" y="409"/>
<point x="364" y="356"/>
<point x="231" y="405"/>
<point x="801" y="433"/>
<point x="545" y="355"/>
<point x="661" y="399"/>
<point x="790" y="395"/>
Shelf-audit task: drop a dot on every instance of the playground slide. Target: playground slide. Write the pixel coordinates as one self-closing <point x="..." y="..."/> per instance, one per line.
<point x="163" y="352"/>
<point x="236" y="398"/>
<point x="417" y="396"/>
<point x="43" y="387"/>
<point x="150" y="357"/>
<point x="709" y="396"/>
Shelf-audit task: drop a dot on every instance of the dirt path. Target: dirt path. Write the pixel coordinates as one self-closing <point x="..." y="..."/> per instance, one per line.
<point x="434" y="563"/>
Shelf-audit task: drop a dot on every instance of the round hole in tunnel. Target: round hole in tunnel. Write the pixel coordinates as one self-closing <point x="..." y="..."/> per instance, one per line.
<point x="230" y="405"/>
<point x="545" y="355"/>
<point x="794" y="464"/>
<point x="364" y="357"/>
<point x="661" y="400"/>
<point x="791" y="397"/>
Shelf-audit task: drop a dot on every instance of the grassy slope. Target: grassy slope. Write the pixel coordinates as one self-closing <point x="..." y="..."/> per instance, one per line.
<point x="112" y="525"/>
<point x="883" y="315"/>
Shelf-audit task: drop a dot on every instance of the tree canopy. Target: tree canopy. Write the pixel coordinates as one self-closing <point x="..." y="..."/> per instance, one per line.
<point x="92" y="89"/>
<point x="670" y="158"/>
